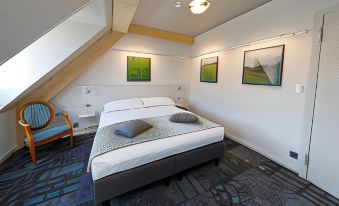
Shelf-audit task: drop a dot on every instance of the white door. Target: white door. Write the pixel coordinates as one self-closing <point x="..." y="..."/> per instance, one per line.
<point x="323" y="168"/>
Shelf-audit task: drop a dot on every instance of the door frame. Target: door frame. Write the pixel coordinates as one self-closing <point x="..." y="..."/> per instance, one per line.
<point x="311" y="87"/>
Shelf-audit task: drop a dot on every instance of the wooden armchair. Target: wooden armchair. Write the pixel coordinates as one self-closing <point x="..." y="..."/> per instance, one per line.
<point x="35" y="117"/>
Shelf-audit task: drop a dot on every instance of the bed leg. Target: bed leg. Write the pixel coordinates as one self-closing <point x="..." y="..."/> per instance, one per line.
<point x="106" y="203"/>
<point x="180" y="176"/>
<point x="167" y="181"/>
<point x="216" y="161"/>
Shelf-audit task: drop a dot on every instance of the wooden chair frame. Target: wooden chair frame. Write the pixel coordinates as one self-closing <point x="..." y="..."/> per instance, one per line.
<point x="28" y="130"/>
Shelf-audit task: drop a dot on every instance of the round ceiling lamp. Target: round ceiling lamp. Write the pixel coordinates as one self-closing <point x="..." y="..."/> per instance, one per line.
<point x="178" y="4"/>
<point x="199" y="6"/>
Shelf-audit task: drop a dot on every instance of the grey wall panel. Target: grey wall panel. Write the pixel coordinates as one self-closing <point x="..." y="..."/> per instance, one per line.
<point x="324" y="152"/>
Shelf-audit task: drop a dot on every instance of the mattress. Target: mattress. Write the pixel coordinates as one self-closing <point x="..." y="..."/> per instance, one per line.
<point x="136" y="155"/>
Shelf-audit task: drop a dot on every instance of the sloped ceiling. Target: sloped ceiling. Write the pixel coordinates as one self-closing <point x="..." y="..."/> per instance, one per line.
<point x="162" y="14"/>
<point x="23" y="21"/>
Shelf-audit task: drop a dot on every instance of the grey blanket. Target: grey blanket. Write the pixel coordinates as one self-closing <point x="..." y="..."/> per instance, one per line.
<point x="105" y="140"/>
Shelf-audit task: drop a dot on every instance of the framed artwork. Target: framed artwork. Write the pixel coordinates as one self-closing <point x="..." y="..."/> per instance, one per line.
<point x="138" y="69"/>
<point x="209" y="70"/>
<point x="264" y="66"/>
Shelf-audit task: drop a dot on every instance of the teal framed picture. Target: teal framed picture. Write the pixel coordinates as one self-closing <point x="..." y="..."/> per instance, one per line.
<point x="209" y="70"/>
<point x="264" y="66"/>
<point x="138" y="69"/>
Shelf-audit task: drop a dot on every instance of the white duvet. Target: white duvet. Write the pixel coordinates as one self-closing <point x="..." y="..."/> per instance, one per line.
<point x="136" y="155"/>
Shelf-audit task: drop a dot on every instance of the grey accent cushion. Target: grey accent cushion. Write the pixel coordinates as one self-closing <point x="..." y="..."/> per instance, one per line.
<point x="132" y="128"/>
<point x="183" y="117"/>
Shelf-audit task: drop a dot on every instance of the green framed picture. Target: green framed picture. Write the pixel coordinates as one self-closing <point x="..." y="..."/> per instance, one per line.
<point x="138" y="69"/>
<point x="209" y="70"/>
<point x="264" y="66"/>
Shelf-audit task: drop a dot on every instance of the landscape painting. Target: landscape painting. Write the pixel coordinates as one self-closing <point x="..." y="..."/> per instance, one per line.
<point x="138" y="69"/>
<point x="209" y="70"/>
<point x="264" y="66"/>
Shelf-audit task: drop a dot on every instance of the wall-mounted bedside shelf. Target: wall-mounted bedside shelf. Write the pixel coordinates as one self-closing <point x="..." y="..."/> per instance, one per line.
<point x="87" y="130"/>
<point x="86" y="113"/>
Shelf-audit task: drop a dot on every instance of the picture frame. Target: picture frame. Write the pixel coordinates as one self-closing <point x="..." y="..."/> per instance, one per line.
<point x="138" y="69"/>
<point x="209" y="69"/>
<point x="264" y="66"/>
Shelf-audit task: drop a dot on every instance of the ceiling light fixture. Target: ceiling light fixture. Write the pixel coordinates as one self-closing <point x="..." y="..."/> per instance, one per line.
<point x="178" y="4"/>
<point x="199" y="6"/>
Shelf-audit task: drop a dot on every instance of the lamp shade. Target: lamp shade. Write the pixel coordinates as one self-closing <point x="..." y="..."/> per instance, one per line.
<point x="199" y="6"/>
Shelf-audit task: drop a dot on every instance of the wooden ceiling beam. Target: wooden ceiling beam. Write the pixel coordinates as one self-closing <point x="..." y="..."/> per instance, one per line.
<point x="123" y="12"/>
<point x="157" y="33"/>
<point x="66" y="75"/>
<point x="51" y="84"/>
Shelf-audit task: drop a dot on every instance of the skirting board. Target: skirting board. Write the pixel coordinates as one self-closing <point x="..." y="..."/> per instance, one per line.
<point x="8" y="154"/>
<point x="250" y="146"/>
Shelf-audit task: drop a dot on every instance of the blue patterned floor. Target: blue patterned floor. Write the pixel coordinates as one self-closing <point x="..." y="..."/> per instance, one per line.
<point x="58" y="178"/>
<point x="243" y="177"/>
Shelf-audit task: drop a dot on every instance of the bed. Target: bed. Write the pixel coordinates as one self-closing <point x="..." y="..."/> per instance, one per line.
<point x="124" y="169"/>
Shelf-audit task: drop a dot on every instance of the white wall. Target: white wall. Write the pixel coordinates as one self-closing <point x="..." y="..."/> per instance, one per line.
<point x="24" y="21"/>
<point x="274" y="18"/>
<point x="7" y="133"/>
<point x="267" y="119"/>
<point x="108" y="75"/>
<point x="41" y="57"/>
<point x="53" y="49"/>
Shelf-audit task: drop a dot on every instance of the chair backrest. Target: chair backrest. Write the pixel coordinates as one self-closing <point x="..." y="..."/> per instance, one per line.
<point x="37" y="114"/>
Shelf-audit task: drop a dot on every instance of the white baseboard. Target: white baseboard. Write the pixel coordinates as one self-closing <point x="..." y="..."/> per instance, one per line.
<point x="253" y="147"/>
<point x="8" y="154"/>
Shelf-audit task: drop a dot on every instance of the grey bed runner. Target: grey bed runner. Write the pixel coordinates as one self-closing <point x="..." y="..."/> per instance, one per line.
<point x="105" y="140"/>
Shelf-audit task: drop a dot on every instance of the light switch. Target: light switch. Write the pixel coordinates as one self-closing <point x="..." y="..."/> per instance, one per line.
<point x="299" y="88"/>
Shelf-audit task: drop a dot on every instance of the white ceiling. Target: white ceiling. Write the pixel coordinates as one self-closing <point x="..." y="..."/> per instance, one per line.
<point x="162" y="14"/>
<point x="98" y="12"/>
<point x="22" y="21"/>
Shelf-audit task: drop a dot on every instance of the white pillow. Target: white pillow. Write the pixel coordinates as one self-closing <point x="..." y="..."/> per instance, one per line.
<point x="157" y="101"/>
<point x="124" y="104"/>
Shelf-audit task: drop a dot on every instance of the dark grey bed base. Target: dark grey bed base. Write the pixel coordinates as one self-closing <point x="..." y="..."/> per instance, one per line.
<point x="122" y="182"/>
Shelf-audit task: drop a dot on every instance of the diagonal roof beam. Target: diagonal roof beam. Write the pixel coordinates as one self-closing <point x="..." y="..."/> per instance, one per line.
<point x="49" y="86"/>
<point x="123" y="12"/>
<point x="64" y="77"/>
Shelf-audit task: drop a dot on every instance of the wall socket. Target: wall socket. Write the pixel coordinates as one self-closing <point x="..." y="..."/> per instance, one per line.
<point x="299" y="88"/>
<point x="76" y="125"/>
<point x="294" y="155"/>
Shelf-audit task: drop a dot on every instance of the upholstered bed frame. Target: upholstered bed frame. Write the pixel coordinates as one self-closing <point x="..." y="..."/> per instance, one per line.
<point x="122" y="182"/>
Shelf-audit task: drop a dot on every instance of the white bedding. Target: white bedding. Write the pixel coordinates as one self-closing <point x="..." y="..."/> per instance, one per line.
<point x="136" y="155"/>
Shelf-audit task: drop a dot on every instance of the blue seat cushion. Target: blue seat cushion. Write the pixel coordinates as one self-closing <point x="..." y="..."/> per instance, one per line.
<point x="48" y="133"/>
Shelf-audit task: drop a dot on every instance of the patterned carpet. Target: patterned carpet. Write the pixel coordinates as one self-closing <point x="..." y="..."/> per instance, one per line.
<point x="243" y="177"/>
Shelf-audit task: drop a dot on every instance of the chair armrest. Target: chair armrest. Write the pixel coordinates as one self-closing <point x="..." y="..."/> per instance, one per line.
<point x="22" y="123"/>
<point x="69" y="124"/>
<point x="28" y="132"/>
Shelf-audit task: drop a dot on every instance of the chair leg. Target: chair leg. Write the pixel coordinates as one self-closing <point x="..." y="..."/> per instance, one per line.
<point x="32" y="152"/>
<point x="106" y="203"/>
<point x="72" y="140"/>
<point x="180" y="176"/>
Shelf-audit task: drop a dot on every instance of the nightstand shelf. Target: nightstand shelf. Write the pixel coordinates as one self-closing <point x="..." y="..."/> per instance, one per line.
<point x="83" y="131"/>
<point x="86" y="113"/>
